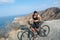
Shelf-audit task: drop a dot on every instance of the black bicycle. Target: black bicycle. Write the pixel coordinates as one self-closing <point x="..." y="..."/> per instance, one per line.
<point x="27" y="34"/>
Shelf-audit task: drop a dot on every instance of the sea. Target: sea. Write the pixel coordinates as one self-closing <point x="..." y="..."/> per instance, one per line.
<point x="5" y="20"/>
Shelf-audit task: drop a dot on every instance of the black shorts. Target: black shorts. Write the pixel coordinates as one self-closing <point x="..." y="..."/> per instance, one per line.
<point x="35" y="25"/>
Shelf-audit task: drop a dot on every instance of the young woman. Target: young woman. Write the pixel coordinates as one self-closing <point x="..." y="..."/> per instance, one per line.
<point x="36" y="18"/>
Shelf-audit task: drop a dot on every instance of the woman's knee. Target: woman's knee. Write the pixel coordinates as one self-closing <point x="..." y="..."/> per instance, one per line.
<point x="37" y="29"/>
<point x="33" y="29"/>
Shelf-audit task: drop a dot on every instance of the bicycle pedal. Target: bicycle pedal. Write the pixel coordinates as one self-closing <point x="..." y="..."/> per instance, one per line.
<point x="44" y="30"/>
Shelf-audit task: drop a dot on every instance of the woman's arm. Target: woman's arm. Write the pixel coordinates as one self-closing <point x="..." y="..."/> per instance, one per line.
<point x="40" y="18"/>
<point x="31" y="20"/>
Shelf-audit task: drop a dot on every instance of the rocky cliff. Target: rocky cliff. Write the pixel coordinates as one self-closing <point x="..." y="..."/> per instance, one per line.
<point x="49" y="15"/>
<point x="53" y="35"/>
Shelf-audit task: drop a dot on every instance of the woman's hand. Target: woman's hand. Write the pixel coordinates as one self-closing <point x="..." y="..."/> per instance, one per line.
<point x="35" y="20"/>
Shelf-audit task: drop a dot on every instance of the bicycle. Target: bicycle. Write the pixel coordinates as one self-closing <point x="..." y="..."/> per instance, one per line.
<point x="27" y="34"/>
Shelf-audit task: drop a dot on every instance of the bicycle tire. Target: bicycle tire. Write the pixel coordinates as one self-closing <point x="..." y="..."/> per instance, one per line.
<point x="18" y="34"/>
<point x="45" y="29"/>
<point x="24" y="36"/>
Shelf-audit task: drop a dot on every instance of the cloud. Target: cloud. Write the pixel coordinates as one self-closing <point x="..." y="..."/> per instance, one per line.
<point x="7" y="1"/>
<point x="56" y="2"/>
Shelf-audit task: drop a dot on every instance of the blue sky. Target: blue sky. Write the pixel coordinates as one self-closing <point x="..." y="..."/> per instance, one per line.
<point x="20" y="7"/>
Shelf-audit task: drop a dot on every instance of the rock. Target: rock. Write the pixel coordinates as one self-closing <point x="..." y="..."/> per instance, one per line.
<point x="53" y="35"/>
<point x="5" y="32"/>
<point x="13" y="35"/>
<point x="11" y="30"/>
<point x="54" y="30"/>
<point x="48" y="14"/>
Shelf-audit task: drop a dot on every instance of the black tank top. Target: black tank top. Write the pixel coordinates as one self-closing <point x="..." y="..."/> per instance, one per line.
<point x="35" y="18"/>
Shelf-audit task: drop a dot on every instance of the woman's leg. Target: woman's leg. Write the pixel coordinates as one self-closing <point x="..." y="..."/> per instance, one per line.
<point x="32" y="29"/>
<point x="37" y="28"/>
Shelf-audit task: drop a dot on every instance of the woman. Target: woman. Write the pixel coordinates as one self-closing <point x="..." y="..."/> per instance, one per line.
<point x="36" y="18"/>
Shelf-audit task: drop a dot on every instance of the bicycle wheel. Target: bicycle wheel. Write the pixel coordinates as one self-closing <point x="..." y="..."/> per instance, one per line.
<point x="24" y="36"/>
<point x="33" y="36"/>
<point x="19" y="34"/>
<point x="44" y="31"/>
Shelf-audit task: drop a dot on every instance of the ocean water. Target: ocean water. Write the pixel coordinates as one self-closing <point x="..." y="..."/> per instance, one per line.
<point x="5" y="20"/>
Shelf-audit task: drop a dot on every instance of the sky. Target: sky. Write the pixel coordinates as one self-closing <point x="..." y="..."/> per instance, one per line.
<point x="21" y="7"/>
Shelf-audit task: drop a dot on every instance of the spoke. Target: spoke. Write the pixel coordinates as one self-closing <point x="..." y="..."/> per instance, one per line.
<point x="45" y="30"/>
<point x="19" y="34"/>
<point x="25" y="36"/>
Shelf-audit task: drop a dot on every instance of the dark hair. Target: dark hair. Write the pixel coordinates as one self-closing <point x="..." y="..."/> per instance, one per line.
<point x="35" y="12"/>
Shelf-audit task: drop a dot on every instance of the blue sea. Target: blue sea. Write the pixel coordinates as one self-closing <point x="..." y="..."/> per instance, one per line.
<point x="5" y="20"/>
<point x="8" y="19"/>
